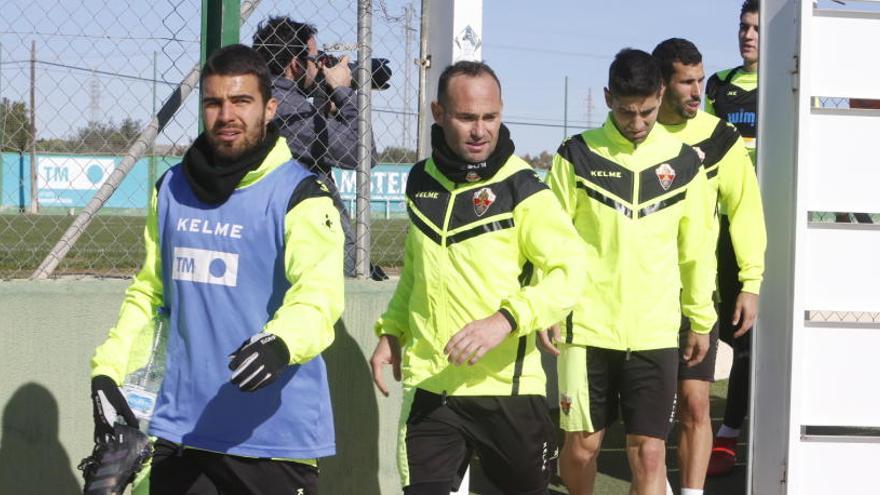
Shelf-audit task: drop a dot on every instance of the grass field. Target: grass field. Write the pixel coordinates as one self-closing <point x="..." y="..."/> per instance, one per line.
<point x="112" y="245"/>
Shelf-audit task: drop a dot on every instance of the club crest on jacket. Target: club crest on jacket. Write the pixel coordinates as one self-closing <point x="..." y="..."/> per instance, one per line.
<point x="666" y="174"/>
<point x="483" y="199"/>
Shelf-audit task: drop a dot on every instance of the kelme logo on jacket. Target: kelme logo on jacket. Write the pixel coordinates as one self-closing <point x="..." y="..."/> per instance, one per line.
<point x="666" y="174"/>
<point x="483" y="199"/>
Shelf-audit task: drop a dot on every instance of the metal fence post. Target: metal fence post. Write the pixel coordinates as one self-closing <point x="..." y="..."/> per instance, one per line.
<point x="365" y="138"/>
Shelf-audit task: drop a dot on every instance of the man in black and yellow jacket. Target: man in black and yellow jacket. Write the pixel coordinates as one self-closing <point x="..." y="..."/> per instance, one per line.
<point x="734" y="187"/>
<point x="639" y="198"/>
<point x="465" y="312"/>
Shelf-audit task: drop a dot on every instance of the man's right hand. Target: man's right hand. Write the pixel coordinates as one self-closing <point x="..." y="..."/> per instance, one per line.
<point x="547" y="340"/>
<point x="108" y="403"/>
<point x="338" y="76"/>
<point x="696" y="348"/>
<point x="387" y="352"/>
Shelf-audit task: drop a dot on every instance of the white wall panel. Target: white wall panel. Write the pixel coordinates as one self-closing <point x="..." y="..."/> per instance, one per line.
<point x="843" y="161"/>
<point x="840" y="369"/>
<point x="838" y="467"/>
<point x="843" y="55"/>
<point x="843" y="271"/>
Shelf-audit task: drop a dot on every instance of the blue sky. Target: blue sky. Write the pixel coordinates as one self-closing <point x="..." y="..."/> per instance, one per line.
<point x="534" y="49"/>
<point x="532" y="45"/>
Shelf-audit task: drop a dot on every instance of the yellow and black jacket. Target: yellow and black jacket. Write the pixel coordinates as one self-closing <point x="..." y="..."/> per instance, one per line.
<point x="470" y="251"/>
<point x="732" y="95"/>
<point x="644" y="212"/>
<point x="733" y="182"/>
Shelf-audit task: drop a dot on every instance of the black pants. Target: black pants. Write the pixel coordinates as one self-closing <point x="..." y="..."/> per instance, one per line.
<point x="729" y="288"/>
<point x="513" y="435"/>
<point x="178" y="471"/>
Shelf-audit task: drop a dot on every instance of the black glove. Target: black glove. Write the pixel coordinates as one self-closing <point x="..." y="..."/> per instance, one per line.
<point x="108" y="403"/>
<point x="115" y="463"/>
<point x="259" y="361"/>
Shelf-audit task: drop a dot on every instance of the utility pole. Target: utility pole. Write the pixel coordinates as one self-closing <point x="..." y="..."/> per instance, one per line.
<point x="35" y="205"/>
<point x="565" y="111"/>
<point x="590" y="108"/>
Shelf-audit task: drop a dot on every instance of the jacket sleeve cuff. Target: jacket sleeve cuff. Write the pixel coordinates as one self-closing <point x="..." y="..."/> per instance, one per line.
<point x="383" y="327"/>
<point x="109" y="372"/>
<point x="510" y="319"/>
<point x="752" y="286"/>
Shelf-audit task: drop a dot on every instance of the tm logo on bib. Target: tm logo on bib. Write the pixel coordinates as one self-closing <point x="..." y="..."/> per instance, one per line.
<point x="206" y="267"/>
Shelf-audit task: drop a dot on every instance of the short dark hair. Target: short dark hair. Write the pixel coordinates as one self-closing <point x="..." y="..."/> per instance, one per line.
<point x="634" y="73"/>
<point x="239" y="60"/>
<point x="675" y="50"/>
<point x="463" y="68"/>
<point x="749" y="7"/>
<point x="280" y="39"/>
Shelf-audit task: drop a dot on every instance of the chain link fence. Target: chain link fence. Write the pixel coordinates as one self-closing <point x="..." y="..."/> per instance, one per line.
<point x="80" y="80"/>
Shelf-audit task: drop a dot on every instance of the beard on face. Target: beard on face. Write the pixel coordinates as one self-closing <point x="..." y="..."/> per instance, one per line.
<point x="250" y="140"/>
<point x="687" y="113"/>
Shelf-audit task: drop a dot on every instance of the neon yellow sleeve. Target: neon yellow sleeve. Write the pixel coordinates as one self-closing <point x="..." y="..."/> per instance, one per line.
<point x="562" y="183"/>
<point x="142" y="298"/>
<point x="550" y="242"/>
<point x="395" y="320"/>
<point x="696" y="255"/>
<point x="740" y="199"/>
<point x="313" y="254"/>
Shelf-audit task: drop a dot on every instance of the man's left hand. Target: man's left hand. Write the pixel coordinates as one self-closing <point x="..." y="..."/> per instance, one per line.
<point x="259" y="361"/>
<point x="745" y="312"/>
<point x="476" y="339"/>
<point x="338" y="76"/>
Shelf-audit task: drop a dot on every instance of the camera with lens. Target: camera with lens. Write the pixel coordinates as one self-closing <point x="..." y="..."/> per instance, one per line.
<point x="380" y="71"/>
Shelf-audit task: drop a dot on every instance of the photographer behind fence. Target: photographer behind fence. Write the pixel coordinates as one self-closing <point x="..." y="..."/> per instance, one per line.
<point x="317" y="110"/>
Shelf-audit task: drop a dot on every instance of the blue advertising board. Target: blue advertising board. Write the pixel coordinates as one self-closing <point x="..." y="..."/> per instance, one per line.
<point x="70" y="181"/>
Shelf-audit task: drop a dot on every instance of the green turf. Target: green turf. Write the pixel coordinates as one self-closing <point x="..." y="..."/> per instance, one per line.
<point x="112" y="245"/>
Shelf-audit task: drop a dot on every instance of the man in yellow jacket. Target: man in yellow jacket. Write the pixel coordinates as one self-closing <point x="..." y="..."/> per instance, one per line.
<point x="461" y="324"/>
<point x="735" y="188"/>
<point x="640" y="199"/>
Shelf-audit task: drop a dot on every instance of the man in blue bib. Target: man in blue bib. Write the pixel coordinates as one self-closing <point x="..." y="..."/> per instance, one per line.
<point x="244" y="252"/>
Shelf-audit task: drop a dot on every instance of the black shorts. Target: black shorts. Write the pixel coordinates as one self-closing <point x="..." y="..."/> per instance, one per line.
<point x="705" y="371"/>
<point x="178" y="470"/>
<point x="640" y="385"/>
<point x="513" y="436"/>
<point x="729" y="288"/>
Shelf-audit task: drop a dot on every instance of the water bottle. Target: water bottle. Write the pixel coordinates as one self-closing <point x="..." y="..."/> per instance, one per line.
<point x="146" y="367"/>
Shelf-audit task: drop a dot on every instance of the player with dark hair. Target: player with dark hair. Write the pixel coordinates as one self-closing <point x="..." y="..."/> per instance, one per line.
<point x="639" y="198"/>
<point x="317" y="108"/>
<point x="244" y="251"/>
<point x="733" y="182"/>
<point x="461" y="324"/>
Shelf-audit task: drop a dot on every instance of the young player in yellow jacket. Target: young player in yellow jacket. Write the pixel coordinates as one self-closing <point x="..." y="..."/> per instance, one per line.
<point x="639" y="198"/>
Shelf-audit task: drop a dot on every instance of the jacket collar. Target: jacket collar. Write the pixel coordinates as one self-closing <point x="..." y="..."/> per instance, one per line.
<point x="619" y="140"/>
